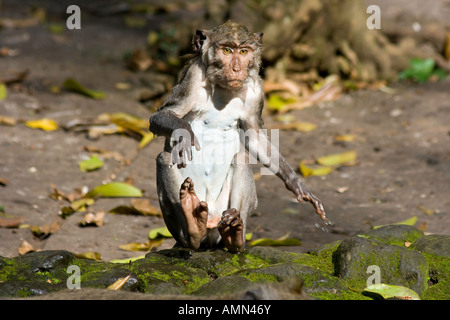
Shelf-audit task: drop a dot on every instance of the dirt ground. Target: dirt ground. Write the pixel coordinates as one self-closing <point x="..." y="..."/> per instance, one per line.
<point x="402" y="143"/>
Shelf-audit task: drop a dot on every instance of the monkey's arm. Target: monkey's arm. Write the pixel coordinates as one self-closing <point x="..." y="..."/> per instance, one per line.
<point x="168" y="121"/>
<point x="261" y="148"/>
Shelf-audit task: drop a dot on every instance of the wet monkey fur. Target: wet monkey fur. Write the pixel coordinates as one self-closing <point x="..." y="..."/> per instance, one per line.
<point x="212" y="124"/>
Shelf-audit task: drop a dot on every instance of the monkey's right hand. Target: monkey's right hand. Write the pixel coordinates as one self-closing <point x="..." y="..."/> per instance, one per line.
<point x="184" y="140"/>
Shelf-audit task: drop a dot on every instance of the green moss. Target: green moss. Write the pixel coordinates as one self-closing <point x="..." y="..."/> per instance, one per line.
<point x="259" y="277"/>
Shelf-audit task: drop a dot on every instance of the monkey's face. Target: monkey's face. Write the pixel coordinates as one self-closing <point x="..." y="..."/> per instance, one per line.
<point x="231" y="64"/>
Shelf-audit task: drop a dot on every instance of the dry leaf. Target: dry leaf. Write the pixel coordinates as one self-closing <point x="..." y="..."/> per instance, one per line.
<point x="25" y="247"/>
<point x="4" y="182"/>
<point x="139" y="60"/>
<point x="7" y="120"/>
<point x="447" y="47"/>
<point x="90" y="255"/>
<point x="144" y="206"/>
<point x="91" y="219"/>
<point x="10" y="221"/>
<point x="44" y="231"/>
<point x="147" y="246"/>
<point x="428" y="212"/>
<point x="345" y="137"/>
<point x="117" y="285"/>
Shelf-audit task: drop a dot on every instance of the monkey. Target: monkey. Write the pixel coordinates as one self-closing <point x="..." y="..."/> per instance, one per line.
<point x="212" y="124"/>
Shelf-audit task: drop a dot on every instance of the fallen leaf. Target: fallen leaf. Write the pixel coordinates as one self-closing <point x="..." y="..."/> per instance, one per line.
<point x="337" y="159"/>
<point x="10" y="221"/>
<point x="91" y="219"/>
<point x="91" y="164"/>
<point x="147" y="246"/>
<point x="410" y="222"/>
<point x="17" y="76"/>
<point x="72" y="85"/>
<point x="407" y="244"/>
<point x="307" y="171"/>
<point x="45" y="231"/>
<point x="118" y="284"/>
<point x="25" y="247"/>
<point x="341" y="189"/>
<point x="106" y="154"/>
<point x="345" y="138"/>
<point x="139" y="60"/>
<point x="7" y="120"/>
<point x="387" y="291"/>
<point x="81" y="204"/>
<point x="282" y="241"/>
<point x="290" y="211"/>
<point x="144" y="207"/>
<point x="428" y="212"/>
<point x="447" y="47"/>
<point x="297" y="125"/>
<point x="113" y="190"/>
<point x="90" y="255"/>
<point x="277" y="102"/>
<point x="44" y="124"/>
<point x="127" y="260"/>
<point x="3" y="91"/>
<point x="146" y="139"/>
<point x="159" y="232"/>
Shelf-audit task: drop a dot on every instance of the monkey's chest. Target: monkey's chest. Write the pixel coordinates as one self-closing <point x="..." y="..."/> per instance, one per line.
<point x="219" y="141"/>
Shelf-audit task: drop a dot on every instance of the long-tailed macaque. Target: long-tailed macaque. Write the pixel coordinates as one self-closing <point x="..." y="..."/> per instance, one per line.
<point x="212" y="124"/>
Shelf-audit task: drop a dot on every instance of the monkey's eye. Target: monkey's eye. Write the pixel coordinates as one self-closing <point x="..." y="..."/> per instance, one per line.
<point x="226" y="50"/>
<point x="243" y="51"/>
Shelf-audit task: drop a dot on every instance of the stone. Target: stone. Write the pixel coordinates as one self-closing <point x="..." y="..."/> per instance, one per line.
<point x="397" y="265"/>
<point x="395" y="234"/>
<point x="435" y="244"/>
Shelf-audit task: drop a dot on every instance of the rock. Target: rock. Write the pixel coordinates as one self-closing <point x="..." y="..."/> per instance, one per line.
<point x="337" y="270"/>
<point x="395" y="234"/>
<point x="397" y="265"/>
<point x="435" y="244"/>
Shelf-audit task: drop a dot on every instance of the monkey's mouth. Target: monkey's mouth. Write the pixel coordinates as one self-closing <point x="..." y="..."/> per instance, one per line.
<point x="235" y="83"/>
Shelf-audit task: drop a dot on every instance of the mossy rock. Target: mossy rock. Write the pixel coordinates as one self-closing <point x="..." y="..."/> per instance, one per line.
<point x="337" y="270"/>
<point x="434" y="244"/>
<point x="397" y="265"/>
<point x="395" y="234"/>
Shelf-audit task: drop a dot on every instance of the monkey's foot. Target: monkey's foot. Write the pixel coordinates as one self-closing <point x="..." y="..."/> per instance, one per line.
<point x="195" y="211"/>
<point x="231" y="228"/>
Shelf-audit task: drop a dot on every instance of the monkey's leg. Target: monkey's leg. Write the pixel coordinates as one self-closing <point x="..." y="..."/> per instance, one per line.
<point x="243" y="202"/>
<point x="168" y="182"/>
<point x="195" y="211"/>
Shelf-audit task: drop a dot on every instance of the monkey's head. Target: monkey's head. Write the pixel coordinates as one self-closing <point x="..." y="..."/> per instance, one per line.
<point x="230" y="53"/>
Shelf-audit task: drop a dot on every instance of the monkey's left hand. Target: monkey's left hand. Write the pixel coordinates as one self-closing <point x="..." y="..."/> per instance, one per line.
<point x="303" y="193"/>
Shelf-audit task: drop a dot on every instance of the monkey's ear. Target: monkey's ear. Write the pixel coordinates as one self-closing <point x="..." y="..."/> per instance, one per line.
<point x="198" y="39"/>
<point x="259" y="37"/>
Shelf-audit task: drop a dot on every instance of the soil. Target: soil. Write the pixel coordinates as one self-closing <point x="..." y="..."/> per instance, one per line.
<point x="402" y="144"/>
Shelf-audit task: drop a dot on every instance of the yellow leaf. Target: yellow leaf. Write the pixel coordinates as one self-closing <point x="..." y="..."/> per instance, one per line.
<point x="159" y="232"/>
<point x="282" y="241"/>
<point x="90" y="255"/>
<point x="345" y="137"/>
<point x="146" y="139"/>
<point x="118" y="284"/>
<point x="3" y="92"/>
<point x="410" y="222"/>
<point x="44" y="124"/>
<point x="298" y="126"/>
<point x="337" y="159"/>
<point x="137" y="246"/>
<point x="313" y="171"/>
